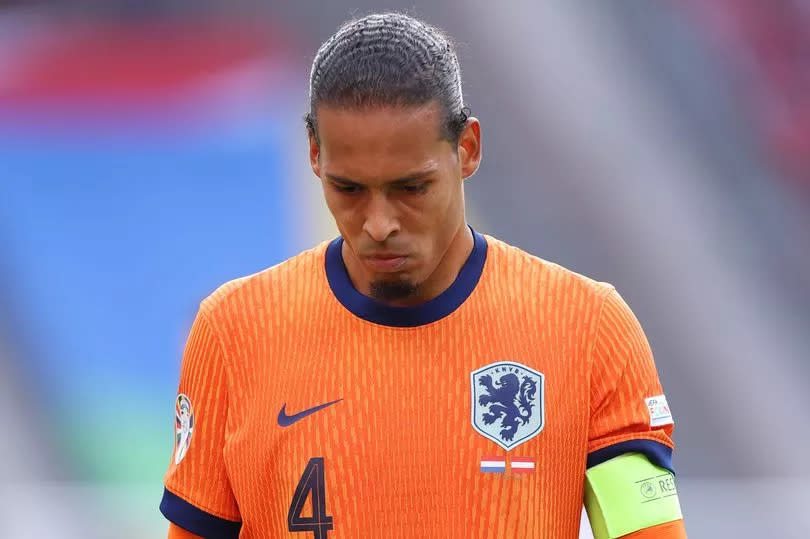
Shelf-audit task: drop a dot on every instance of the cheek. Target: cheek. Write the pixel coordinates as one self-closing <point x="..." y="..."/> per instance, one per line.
<point x="437" y="219"/>
<point x="341" y="211"/>
<point x="442" y="210"/>
<point x="432" y="210"/>
<point x="347" y="223"/>
<point x="449" y="216"/>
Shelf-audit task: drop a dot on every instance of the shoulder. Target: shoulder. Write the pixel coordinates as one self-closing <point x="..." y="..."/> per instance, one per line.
<point x="508" y="263"/>
<point x="292" y="278"/>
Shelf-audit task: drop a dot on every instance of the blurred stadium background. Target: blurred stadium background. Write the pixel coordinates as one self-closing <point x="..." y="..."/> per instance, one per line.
<point x="150" y="151"/>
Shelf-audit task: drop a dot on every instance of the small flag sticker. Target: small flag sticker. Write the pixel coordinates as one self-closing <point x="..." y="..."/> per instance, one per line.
<point x="493" y="464"/>
<point x="522" y="464"/>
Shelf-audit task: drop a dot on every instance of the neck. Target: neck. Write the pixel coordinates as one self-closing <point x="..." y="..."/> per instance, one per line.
<point x="446" y="272"/>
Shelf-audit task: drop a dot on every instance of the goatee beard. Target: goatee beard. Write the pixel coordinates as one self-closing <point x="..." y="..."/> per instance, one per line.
<point x="392" y="290"/>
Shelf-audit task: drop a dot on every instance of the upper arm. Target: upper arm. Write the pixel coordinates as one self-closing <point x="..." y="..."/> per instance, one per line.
<point x="624" y="380"/>
<point x="198" y="495"/>
<point x="630" y="484"/>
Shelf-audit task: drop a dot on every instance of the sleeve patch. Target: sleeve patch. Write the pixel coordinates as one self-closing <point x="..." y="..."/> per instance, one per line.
<point x="660" y="414"/>
<point x="183" y="426"/>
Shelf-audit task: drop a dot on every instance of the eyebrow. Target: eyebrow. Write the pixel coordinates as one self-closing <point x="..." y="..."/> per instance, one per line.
<point x="399" y="181"/>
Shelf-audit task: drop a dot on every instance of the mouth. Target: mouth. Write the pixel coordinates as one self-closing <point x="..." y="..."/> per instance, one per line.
<point x="385" y="262"/>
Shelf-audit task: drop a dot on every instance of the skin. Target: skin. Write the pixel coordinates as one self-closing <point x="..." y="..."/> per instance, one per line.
<point x="395" y="188"/>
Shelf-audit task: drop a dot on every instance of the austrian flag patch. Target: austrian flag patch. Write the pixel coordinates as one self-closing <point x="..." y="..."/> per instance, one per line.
<point x="522" y="465"/>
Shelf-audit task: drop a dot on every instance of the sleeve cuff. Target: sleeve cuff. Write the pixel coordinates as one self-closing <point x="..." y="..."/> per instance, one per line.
<point x="658" y="453"/>
<point x="195" y="520"/>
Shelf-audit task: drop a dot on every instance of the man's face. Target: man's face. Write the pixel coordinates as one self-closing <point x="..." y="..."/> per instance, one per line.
<point x="394" y="187"/>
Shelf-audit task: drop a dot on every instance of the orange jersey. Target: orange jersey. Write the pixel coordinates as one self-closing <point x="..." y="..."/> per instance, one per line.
<point x="307" y="409"/>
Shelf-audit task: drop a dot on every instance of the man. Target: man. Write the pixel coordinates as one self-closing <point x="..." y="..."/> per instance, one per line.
<point x="414" y="378"/>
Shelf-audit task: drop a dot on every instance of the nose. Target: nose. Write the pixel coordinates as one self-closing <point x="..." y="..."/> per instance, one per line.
<point x="380" y="219"/>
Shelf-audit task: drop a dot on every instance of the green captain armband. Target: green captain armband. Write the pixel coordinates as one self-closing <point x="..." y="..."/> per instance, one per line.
<point x="629" y="493"/>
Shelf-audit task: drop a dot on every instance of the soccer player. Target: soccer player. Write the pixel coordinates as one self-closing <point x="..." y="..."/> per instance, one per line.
<point x="414" y="377"/>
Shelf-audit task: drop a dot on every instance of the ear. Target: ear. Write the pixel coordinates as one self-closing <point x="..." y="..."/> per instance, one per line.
<point x="469" y="147"/>
<point x="314" y="154"/>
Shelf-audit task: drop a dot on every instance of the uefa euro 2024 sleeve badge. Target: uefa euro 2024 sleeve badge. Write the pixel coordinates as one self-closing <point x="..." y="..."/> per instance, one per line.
<point x="183" y="426"/>
<point x="507" y="403"/>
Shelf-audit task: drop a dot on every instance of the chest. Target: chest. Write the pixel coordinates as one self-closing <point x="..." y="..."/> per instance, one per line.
<point x="420" y="385"/>
<point x="389" y="403"/>
<point x="411" y="419"/>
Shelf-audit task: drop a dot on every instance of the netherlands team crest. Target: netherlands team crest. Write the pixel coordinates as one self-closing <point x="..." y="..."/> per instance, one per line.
<point x="507" y="403"/>
<point x="183" y="426"/>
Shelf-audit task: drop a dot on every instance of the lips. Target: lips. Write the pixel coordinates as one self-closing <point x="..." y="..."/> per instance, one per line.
<point x="385" y="262"/>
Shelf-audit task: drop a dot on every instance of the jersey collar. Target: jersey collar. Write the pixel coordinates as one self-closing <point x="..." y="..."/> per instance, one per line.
<point x="379" y="313"/>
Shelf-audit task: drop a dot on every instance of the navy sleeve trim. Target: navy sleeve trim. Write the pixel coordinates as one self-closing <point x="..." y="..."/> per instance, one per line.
<point x="195" y="520"/>
<point x="658" y="453"/>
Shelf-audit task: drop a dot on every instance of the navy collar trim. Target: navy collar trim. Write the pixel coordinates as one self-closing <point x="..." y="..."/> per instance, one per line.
<point x="387" y="315"/>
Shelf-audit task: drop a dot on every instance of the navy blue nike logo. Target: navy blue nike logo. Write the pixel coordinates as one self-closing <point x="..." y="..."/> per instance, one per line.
<point x="285" y="420"/>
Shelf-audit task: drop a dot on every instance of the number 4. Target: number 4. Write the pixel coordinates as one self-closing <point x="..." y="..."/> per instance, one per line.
<point x="312" y="481"/>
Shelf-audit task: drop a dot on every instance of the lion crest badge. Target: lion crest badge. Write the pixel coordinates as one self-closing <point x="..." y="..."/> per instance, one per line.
<point x="507" y="403"/>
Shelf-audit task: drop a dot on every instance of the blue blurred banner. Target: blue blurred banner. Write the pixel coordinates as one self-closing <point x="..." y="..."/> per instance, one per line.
<point x="142" y="166"/>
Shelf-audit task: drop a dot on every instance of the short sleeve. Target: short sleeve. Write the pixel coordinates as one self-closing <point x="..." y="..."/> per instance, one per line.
<point x="629" y="412"/>
<point x="197" y="495"/>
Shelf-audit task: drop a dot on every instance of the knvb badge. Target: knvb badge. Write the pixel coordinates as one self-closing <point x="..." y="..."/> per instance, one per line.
<point x="507" y="403"/>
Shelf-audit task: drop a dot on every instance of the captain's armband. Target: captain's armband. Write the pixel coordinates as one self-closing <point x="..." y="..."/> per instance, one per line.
<point x="629" y="493"/>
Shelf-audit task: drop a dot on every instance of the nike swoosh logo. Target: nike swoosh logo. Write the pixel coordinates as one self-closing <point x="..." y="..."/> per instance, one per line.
<point x="285" y="420"/>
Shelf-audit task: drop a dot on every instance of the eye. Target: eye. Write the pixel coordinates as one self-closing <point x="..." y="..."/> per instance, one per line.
<point x="347" y="189"/>
<point x="415" y="187"/>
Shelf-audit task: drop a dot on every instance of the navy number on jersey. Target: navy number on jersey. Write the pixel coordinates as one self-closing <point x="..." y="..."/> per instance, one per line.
<point x="311" y="484"/>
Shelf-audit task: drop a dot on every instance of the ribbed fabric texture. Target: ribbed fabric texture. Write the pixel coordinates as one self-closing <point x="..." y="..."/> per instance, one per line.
<point x="401" y="457"/>
<point x="623" y="374"/>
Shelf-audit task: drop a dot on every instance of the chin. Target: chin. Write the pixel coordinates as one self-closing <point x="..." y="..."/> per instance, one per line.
<point x="393" y="289"/>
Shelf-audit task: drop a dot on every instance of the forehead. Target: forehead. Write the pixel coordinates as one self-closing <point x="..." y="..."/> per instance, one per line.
<point x="381" y="142"/>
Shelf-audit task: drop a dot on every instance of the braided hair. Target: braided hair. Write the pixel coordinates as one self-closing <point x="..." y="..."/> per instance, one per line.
<point x="388" y="59"/>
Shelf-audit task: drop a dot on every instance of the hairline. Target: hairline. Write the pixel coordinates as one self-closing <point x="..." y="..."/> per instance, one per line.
<point x="442" y="112"/>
